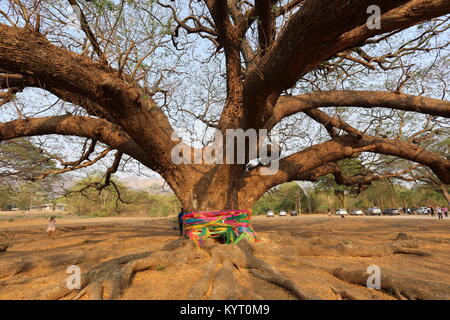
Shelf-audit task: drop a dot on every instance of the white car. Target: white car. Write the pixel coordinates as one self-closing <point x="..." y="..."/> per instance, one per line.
<point x="341" y="212"/>
<point x="356" y="212"/>
<point x="423" y="210"/>
<point x="270" y="214"/>
<point x="282" y="213"/>
<point x="375" y="211"/>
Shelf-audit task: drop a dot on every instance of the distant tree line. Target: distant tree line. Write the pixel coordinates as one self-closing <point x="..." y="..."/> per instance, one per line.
<point x="117" y="199"/>
<point x="326" y="194"/>
<point x="383" y="194"/>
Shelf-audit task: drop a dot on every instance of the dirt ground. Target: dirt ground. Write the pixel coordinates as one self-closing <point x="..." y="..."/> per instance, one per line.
<point x="323" y="258"/>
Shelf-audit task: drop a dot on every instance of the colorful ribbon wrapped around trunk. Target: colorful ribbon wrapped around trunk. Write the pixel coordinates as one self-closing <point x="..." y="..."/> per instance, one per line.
<point x="231" y="225"/>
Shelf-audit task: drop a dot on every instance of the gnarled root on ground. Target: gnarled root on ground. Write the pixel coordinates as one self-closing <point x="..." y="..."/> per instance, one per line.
<point x="227" y="264"/>
<point x="229" y="271"/>
<point x="398" y="287"/>
<point x="109" y="279"/>
<point x="5" y="239"/>
<point x="299" y="244"/>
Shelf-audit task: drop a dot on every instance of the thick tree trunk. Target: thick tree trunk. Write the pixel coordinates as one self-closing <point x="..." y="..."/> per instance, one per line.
<point x="212" y="188"/>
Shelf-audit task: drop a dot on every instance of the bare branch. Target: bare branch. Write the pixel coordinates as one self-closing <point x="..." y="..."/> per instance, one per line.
<point x="289" y="105"/>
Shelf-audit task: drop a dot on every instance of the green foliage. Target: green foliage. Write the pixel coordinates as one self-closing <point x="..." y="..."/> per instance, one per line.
<point x="20" y="156"/>
<point x="20" y="162"/>
<point x="381" y="193"/>
<point x="349" y="167"/>
<point x="24" y="195"/>
<point x="104" y="5"/>
<point x="5" y="198"/>
<point x="283" y="197"/>
<point x="91" y="202"/>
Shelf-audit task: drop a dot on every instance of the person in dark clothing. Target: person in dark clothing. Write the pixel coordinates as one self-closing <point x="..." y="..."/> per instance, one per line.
<point x="180" y="220"/>
<point x="432" y="211"/>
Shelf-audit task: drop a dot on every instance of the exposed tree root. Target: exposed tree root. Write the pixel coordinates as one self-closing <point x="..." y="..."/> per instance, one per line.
<point x="12" y="269"/>
<point x="402" y="250"/>
<point x="224" y="275"/>
<point x="227" y="287"/>
<point x="5" y="240"/>
<point x="109" y="279"/>
<point x="106" y="280"/>
<point x="4" y="283"/>
<point x="297" y="244"/>
<point x="402" y="236"/>
<point x="263" y="270"/>
<point x="344" y="294"/>
<point x="283" y="282"/>
<point x="229" y="271"/>
<point x="222" y="284"/>
<point x="16" y="266"/>
<point x="380" y="250"/>
<point x="400" y="288"/>
<point x="203" y="286"/>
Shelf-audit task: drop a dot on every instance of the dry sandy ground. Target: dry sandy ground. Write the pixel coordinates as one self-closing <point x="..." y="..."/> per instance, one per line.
<point x="308" y="250"/>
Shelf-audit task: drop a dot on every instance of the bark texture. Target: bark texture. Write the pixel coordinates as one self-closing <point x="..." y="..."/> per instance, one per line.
<point x="122" y="115"/>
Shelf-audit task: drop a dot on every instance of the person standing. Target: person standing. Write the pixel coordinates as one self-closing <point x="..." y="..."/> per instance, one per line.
<point x="180" y="220"/>
<point x="445" y="211"/>
<point x="439" y="212"/>
<point x="431" y="211"/>
<point x="51" y="228"/>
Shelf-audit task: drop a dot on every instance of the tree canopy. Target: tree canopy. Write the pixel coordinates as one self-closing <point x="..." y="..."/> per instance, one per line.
<point x="329" y="80"/>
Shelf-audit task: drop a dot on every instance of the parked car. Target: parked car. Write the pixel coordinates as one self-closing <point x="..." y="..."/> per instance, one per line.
<point x="270" y="214"/>
<point x="282" y="213"/>
<point x="391" y="212"/>
<point x="409" y="210"/>
<point x="341" y="212"/>
<point x="294" y="213"/>
<point x="356" y="212"/>
<point x="375" y="211"/>
<point x="422" y="210"/>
